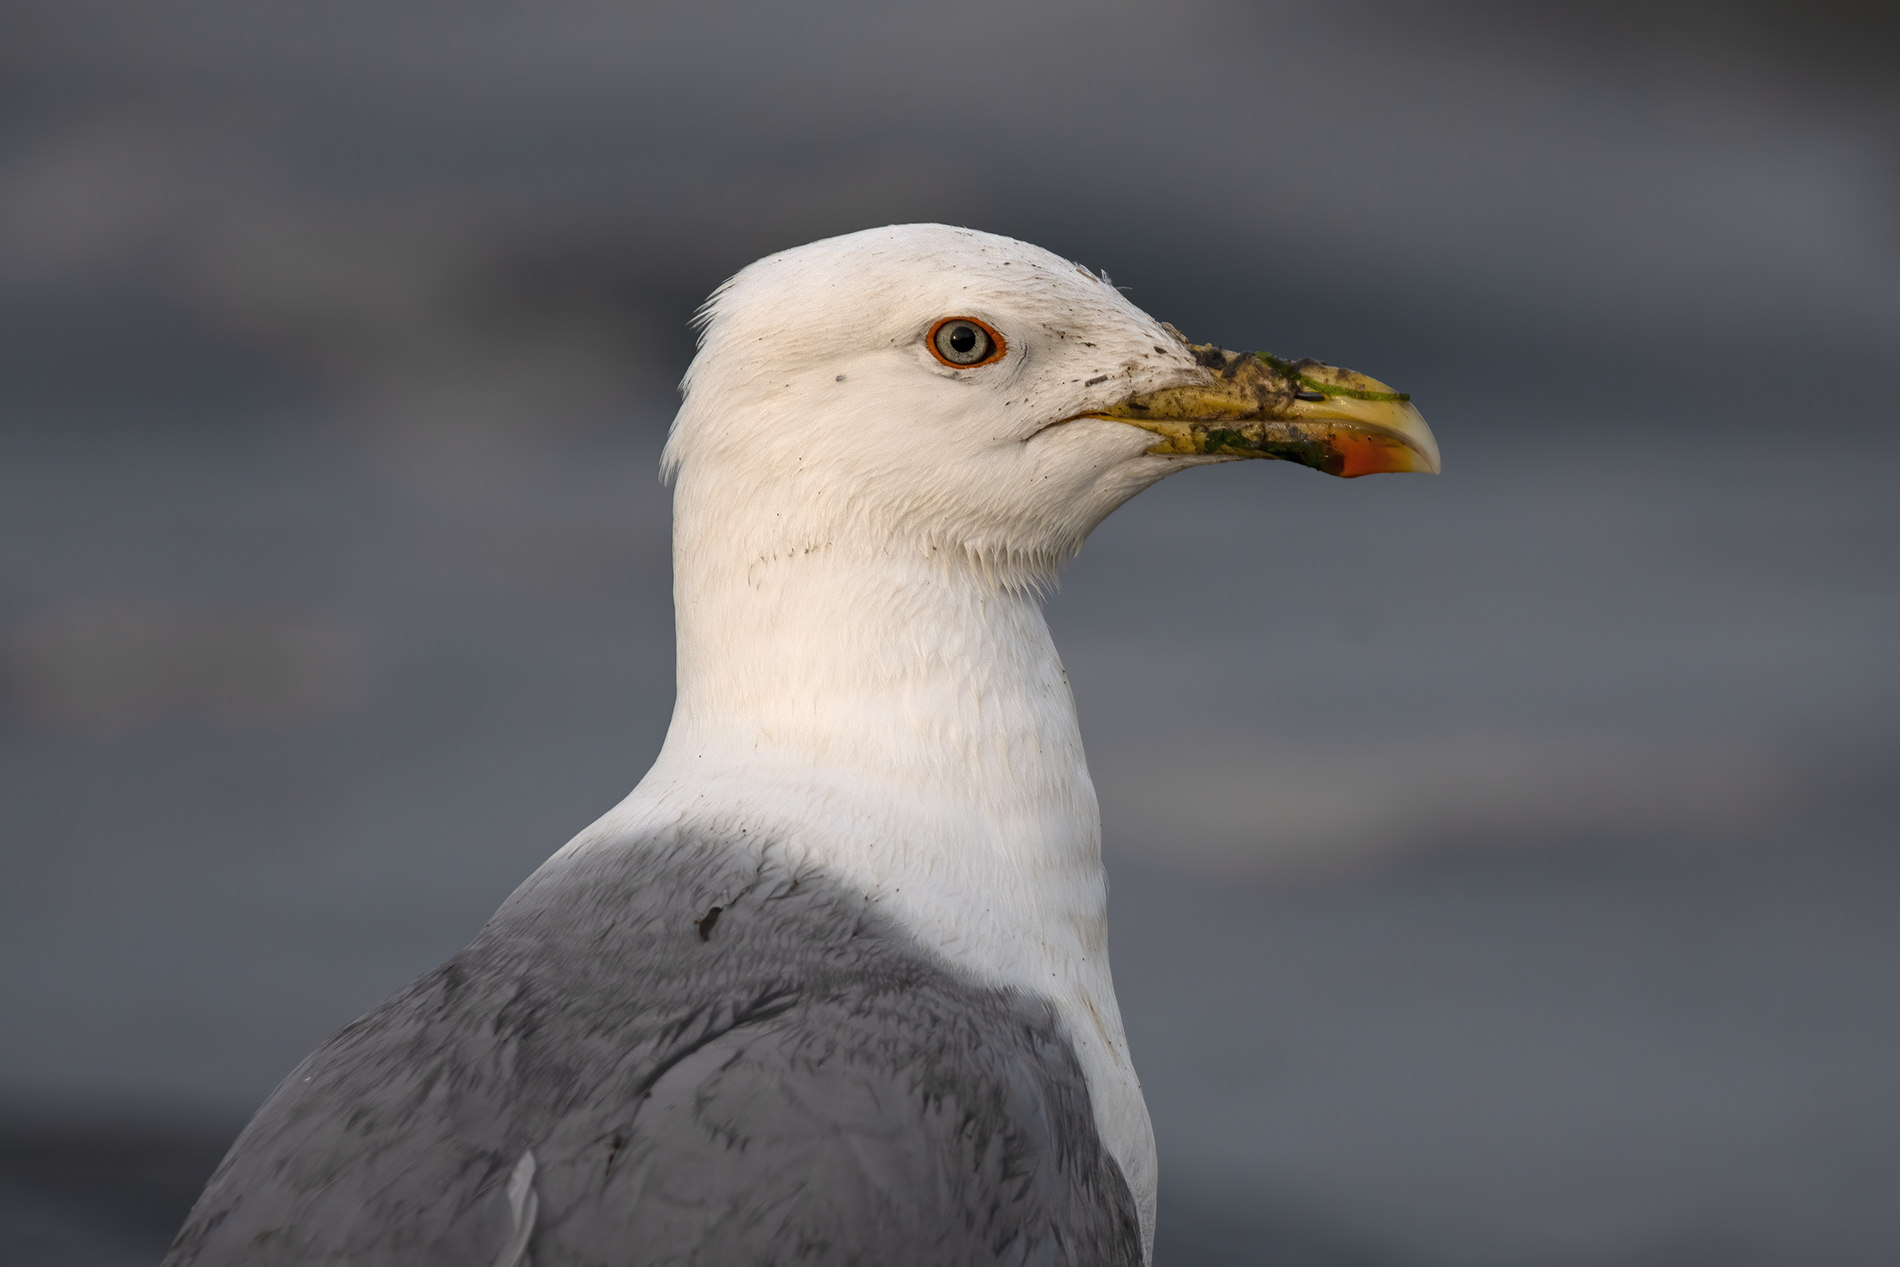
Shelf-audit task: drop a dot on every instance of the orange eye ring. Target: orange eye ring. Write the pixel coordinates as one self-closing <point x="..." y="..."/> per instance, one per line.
<point x="964" y="343"/>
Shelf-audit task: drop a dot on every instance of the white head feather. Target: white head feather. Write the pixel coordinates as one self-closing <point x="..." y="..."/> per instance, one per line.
<point x="816" y="404"/>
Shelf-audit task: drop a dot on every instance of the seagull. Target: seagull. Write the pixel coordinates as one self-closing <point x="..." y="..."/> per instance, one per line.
<point x="831" y="985"/>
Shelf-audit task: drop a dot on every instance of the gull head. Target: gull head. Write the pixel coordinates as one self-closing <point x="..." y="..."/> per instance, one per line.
<point x="931" y="390"/>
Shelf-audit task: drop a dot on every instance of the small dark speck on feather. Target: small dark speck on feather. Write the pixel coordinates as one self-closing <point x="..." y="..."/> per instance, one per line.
<point x="613" y="1151"/>
<point x="1099" y="378"/>
<point x="705" y="923"/>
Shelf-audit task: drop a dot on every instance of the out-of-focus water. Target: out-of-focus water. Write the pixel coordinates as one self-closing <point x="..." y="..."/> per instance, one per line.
<point x="1502" y="862"/>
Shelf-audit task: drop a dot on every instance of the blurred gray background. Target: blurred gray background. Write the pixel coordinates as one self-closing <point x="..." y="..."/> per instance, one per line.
<point x="1504" y="864"/>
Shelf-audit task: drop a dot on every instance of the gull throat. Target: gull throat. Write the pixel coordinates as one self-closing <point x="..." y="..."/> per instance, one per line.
<point x="904" y="723"/>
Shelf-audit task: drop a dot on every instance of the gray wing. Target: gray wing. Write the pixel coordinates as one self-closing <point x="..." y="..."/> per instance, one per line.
<point x="611" y="1074"/>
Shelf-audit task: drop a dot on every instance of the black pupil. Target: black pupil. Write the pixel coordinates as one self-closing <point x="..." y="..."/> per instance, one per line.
<point x="963" y="339"/>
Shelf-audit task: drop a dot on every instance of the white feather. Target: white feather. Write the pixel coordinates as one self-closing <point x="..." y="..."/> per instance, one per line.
<point x="523" y="1207"/>
<point x="860" y="536"/>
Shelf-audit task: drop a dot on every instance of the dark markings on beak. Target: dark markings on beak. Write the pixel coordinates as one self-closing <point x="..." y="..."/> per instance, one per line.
<point x="1309" y="395"/>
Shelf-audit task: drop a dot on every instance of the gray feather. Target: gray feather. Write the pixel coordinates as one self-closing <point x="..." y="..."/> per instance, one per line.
<point x="612" y="1074"/>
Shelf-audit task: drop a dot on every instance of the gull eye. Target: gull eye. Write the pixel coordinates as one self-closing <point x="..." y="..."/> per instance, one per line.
<point x="965" y="341"/>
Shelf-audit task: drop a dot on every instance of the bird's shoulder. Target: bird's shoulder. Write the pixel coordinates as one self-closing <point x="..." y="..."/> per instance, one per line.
<point x="679" y="1050"/>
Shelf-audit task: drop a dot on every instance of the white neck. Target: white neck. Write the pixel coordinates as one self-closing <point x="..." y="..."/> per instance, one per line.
<point x="905" y="723"/>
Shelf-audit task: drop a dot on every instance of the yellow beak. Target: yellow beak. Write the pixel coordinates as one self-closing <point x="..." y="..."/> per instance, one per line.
<point x="1255" y="405"/>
